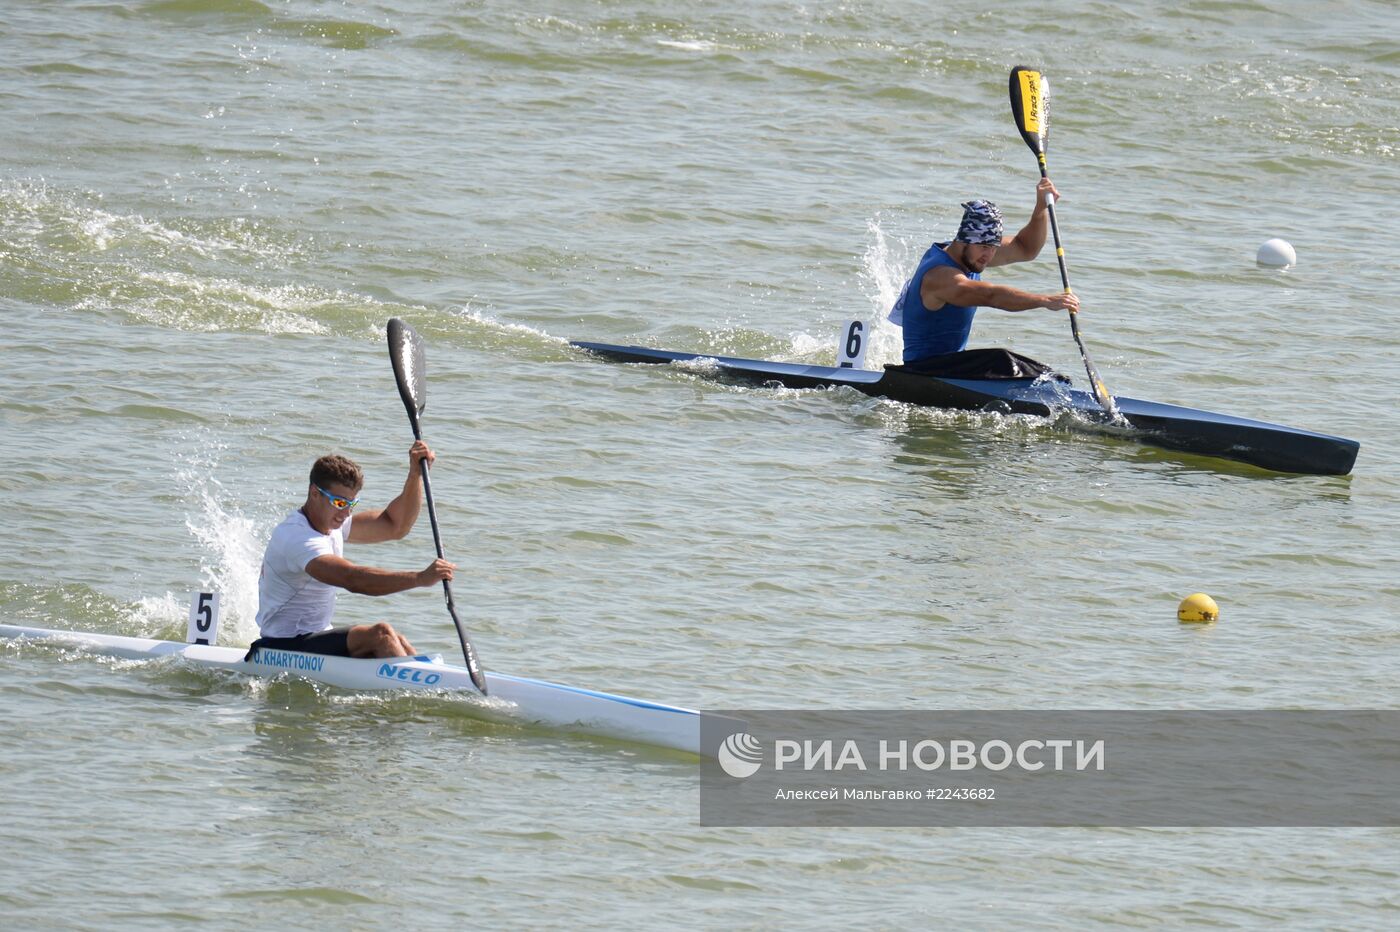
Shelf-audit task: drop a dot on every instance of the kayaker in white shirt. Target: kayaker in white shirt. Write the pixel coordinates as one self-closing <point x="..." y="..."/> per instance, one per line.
<point x="304" y="567"/>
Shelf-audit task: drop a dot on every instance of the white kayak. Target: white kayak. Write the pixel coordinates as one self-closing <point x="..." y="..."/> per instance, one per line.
<point x="512" y="698"/>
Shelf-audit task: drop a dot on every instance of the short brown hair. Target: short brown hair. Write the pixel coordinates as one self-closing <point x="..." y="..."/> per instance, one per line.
<point x="334" y="468"/>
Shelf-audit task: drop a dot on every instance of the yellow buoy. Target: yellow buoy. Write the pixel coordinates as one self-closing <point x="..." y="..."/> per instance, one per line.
<point x="1197" y="608"/>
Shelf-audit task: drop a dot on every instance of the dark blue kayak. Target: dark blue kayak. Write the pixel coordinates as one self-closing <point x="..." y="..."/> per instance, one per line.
<point x="1271" y="446"/>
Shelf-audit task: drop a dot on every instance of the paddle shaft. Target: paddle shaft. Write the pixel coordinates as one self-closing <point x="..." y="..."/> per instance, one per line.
<point x="473" y="666"/>
<point x="1064" y="272"/>
<point x="1096" y="385"/>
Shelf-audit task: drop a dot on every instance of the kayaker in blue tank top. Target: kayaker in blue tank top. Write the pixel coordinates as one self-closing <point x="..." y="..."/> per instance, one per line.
<point x="938" y="302"/>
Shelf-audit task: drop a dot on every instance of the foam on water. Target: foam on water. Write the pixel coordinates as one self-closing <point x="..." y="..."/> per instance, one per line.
<point x="689" y="45"/>
<point x="70" y="248"/>
<point x="34" y="213"/>
<point x="195" y="302"/>
<point x="489" y="322"/>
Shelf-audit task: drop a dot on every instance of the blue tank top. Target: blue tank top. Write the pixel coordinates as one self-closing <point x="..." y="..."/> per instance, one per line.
<point x="932" y="333"/>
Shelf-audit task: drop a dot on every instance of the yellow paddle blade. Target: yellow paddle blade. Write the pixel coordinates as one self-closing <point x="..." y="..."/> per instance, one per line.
<point x="1030" y="105"/>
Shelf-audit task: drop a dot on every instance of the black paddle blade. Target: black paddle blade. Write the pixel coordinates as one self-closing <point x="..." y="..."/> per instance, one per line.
<point x="410" y="368"/>
<point x="1030" y="105"/>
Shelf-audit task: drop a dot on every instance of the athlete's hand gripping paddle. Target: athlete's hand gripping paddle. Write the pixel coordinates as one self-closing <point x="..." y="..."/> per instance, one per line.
<point x="411" y="372"/>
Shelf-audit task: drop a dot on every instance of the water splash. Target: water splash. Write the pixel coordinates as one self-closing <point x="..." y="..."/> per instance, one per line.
<point x="704" y="365"/>
<point x="160" y="617"/>
<point x="884" y="268"/>
<point x="231" y="542"/>
<point x="806" y="346"/>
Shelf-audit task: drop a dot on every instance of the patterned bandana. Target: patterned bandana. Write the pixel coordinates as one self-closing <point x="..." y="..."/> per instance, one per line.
<point x="981" y="224"/>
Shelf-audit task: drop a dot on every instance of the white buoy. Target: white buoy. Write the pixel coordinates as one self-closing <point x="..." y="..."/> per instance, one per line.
<point x="1277" y="254"/>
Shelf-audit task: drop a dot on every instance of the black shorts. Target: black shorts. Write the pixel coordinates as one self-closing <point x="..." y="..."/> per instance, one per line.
<point x="334" y="642"/>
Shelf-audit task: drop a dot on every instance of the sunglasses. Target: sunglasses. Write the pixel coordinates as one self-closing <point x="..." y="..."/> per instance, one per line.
<point x="338" y="502"/>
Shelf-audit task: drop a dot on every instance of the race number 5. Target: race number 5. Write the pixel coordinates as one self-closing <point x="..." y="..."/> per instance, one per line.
<point x="204" y="619"/>
<point x="850" y="347"/>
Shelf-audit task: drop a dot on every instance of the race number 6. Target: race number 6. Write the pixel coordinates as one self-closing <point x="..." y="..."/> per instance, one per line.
<point x="850" y="348"/>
